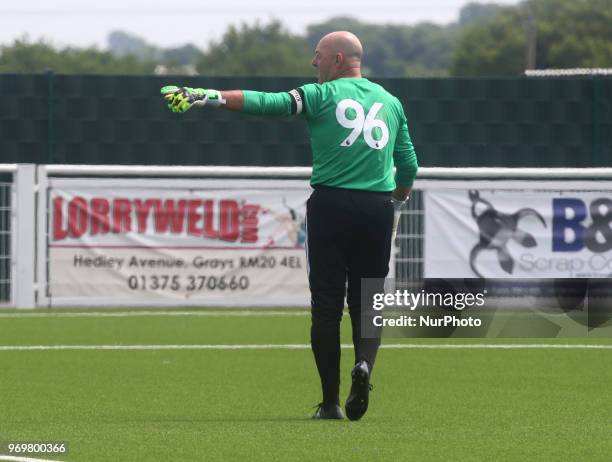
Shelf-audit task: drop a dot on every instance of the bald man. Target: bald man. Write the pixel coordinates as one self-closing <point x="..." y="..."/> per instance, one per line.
<point x="358" y="132"/>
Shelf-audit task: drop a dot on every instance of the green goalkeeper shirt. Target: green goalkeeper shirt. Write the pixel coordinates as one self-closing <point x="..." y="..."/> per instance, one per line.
<point x="358" y="132"/>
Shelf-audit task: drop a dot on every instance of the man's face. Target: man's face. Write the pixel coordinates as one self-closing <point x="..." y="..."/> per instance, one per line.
<point x="325" y="61"/>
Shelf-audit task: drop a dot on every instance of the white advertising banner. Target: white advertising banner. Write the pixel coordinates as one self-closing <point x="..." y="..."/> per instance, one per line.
<point x="152" y="245"/>
<point x="517" y="234"/>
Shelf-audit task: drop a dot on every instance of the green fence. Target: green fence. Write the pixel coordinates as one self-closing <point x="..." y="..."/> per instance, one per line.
<point x="512" y="122"/>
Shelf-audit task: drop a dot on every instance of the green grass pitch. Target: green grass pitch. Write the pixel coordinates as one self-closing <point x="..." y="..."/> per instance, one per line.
<point x="255" y="405"/>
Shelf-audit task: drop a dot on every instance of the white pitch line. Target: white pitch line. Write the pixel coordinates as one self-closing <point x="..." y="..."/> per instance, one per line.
<point x="494" y="346"/>
<point x="304" y="346"/>
<point x="136" y="313"/>
<point x="25" y="459"/>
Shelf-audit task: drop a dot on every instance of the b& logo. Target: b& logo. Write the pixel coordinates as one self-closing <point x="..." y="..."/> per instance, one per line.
<point x="569" y="214"/>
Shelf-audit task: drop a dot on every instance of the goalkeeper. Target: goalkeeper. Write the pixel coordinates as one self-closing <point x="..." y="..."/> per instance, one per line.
<point x="358" y="132"/>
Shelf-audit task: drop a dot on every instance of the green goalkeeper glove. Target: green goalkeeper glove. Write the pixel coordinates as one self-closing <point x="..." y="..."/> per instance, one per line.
<point x="397" y="213"/>
<point x="181" y="99"/>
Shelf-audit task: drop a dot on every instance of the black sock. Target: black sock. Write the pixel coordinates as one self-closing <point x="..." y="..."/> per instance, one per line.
<point x="365" y="348"/>
<point x="325" y="341"/>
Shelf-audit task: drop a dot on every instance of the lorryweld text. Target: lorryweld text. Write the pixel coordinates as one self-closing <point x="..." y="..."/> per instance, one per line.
<point x="225" y="219"/>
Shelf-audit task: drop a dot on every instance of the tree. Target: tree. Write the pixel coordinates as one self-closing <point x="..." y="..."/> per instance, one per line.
<point x="573" y="33"/>
<point x="23" y="56"/>
<point x="570" y="33"/>
<point x="182" y="56"/>
<point x="492" y="48"/>
<point x="257" y="50"/>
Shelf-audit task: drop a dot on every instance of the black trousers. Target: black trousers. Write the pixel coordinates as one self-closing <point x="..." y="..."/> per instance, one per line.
<point x="349" y="238"/>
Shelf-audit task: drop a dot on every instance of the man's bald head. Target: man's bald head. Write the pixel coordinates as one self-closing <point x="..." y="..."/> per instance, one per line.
<point x="343" y="42"/>
<point x="338" y="55"/>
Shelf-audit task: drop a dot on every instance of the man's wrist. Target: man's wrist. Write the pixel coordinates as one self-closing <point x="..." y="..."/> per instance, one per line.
<point x="206" y="97"/>
<point x="215" y="98"/>
<point x="401" y="193"/>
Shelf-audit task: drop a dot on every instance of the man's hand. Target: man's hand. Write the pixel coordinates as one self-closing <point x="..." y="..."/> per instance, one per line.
<point x="181" y="99"/>
<point x="397" y="213"/>
<point x="401" y="193"/>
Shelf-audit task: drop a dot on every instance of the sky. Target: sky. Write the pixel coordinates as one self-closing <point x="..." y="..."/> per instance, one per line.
<point x="176" y="22"/>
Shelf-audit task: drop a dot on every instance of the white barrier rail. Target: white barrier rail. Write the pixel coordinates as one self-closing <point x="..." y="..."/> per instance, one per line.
<point x="304" y="172"/>
<point x="8" y="168"/>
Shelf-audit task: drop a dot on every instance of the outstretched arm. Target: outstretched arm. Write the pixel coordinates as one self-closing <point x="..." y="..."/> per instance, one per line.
<point x="181" y="99"/>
